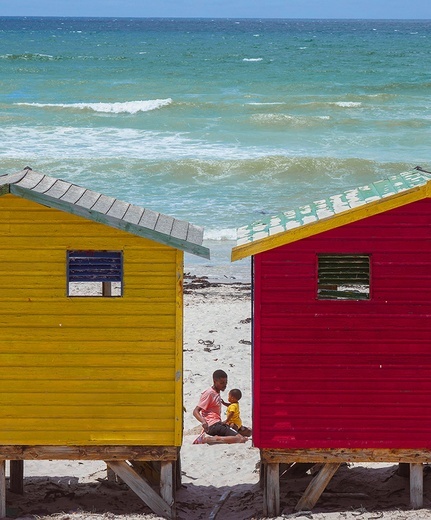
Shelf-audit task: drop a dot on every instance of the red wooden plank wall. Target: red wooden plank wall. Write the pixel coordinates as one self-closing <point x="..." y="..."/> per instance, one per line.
<point x="335" y="374"/>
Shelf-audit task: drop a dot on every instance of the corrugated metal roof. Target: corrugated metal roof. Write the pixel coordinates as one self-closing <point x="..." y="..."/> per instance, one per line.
<point x="71" y="198"/>
<point x="256" y="237"/>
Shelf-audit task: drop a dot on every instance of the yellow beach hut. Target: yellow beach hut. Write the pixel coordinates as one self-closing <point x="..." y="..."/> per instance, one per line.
<point x="91" y="342"/>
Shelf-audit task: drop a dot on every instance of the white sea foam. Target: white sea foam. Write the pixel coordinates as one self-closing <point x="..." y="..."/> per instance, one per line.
<point x="27" y="56"/>
<point x="220" y="234"/>
<point x="252" y="59"/>
<point x="347" y="104"/>
<point x="287" y="119"/>
<point x="127" y="107"/>
<point x="268" y="103"/>
<point x="79" y="143"/>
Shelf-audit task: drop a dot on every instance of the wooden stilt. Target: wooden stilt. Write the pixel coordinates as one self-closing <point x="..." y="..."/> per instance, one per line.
<point x="142" y="489"/>
<point x="416" y="486"/>
<point x="316" y="487"/>
<point x="2" y="489"/>
<point x="167" y="491"/>
<point x="262" y="475"/>
<point x="110" y="474"/>
<point x="177" y="470"/>
<point x="271" y="489"/>
<point x="16" y="482"/>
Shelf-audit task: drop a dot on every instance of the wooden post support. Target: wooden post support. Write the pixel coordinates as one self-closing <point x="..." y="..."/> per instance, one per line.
<point x="16" y="482"/>
<point x="167" y="484"/>
<point x="110" y="474"/>
<point x="271" y="491"/>
<point x="2" y="488"/>
<point x="316" y="487"/>
<point x="416" y="486"/>
<point x="177" y="469"/>
<point x="144" y="491"/>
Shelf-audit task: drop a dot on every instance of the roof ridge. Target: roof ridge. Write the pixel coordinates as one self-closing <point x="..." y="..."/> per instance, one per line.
<point x="330" y="212"/>
<point x="24" y="184"/>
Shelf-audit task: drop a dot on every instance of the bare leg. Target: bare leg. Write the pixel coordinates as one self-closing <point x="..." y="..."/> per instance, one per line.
<point x="231" y="439"/>
<point x="244" y="431"/>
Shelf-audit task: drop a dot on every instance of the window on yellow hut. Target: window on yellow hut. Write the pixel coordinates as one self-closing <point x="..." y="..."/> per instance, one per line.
<point x="95" y="273"/>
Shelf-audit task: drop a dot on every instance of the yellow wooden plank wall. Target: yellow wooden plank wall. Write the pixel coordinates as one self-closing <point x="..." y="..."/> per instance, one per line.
<point x="79" y="371"/>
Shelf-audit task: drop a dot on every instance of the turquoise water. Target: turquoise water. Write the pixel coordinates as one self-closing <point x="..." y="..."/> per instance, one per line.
<point x="215" y="121"/>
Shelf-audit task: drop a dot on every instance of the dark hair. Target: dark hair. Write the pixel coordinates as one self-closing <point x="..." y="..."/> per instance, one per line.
<point x="235" y="392"/>
<point x="219" y="374"/>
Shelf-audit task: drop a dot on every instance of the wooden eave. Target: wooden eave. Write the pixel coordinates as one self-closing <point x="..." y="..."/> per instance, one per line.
<point x="71" y="198"/>
<point x="337" y="219"/>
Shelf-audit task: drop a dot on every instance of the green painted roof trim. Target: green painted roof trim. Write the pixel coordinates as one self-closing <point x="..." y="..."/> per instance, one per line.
<point x="59" y="194"/>
<point x="331" y="206"/>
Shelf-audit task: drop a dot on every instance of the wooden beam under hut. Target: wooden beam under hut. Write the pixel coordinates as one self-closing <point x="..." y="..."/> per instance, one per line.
<point x="162" y="504"/>
<point x="88" y="452"/>
<point x="161" y="464"/>
<point x="331" y="460"/>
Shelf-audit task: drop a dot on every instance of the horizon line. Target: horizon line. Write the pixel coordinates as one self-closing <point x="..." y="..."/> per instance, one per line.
<point x="210" y="17"/>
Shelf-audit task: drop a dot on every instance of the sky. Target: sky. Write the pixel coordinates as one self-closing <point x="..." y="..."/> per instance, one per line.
<point x="386" y="9"/>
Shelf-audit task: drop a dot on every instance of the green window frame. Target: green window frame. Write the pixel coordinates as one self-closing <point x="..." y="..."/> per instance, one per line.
<point x="343" y="276"/>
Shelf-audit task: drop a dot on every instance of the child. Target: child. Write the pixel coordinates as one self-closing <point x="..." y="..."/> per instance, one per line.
<point x="233" y="418"/>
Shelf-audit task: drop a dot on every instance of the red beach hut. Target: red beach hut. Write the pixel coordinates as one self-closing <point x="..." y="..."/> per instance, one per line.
<point x="341" y="332"/>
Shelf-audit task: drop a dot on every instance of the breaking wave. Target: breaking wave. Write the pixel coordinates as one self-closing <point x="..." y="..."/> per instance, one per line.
<point x="127" y="107"/>
<point x="28" y="56"/>
<point x="220" y="234"/>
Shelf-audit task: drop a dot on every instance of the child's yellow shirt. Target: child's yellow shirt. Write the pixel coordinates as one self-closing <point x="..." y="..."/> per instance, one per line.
<point x="235" y="419"/>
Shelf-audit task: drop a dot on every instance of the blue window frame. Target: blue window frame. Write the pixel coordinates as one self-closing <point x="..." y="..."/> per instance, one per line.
<point x="95" y="273"/>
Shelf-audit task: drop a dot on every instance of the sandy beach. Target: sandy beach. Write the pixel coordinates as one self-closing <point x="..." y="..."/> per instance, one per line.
<point x="217" y="481"/>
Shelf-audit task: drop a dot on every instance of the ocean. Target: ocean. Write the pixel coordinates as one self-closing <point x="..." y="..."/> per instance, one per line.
<point x="218" y="122"/>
